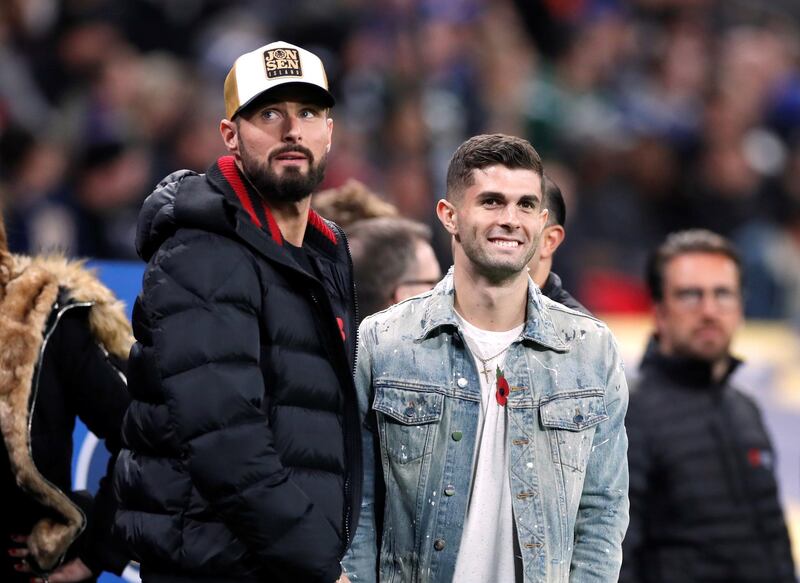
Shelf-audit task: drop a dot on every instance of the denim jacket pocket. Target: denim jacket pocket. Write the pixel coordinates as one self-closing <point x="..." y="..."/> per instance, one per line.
<point x="406" y="417"/>
<point x="572" y="418"/>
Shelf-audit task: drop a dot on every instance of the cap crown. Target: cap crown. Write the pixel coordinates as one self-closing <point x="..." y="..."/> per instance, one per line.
<point x="271" y="66"/>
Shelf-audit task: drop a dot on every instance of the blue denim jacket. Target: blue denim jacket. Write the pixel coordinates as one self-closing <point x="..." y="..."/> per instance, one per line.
<point x="418" y="389"/>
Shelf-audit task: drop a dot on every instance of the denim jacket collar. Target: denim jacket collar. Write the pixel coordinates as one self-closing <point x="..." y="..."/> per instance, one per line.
<point x="439" y="313"/>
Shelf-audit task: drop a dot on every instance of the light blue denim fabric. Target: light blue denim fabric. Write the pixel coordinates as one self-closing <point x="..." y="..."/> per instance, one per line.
<point x="567" y="443"/>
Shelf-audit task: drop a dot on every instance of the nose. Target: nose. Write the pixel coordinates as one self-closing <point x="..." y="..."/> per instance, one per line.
<point x="509" y="217"/>
<point x="291" y="130"/>
<point x="709" y="305"/>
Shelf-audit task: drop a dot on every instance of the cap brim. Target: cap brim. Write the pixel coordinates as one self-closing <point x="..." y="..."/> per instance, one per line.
<point x="315" y="92"/>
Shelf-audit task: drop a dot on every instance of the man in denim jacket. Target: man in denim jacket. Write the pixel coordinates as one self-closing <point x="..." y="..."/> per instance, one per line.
<point x="495" y="413"/>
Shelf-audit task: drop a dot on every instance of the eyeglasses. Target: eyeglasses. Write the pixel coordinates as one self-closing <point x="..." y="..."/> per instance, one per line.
<point x="691" y="298"/>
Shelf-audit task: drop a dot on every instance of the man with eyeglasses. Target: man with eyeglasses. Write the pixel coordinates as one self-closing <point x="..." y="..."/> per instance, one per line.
<point x="704" y="501"/>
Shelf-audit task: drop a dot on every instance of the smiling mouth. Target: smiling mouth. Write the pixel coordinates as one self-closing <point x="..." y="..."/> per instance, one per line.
<point x="505" y="243"/>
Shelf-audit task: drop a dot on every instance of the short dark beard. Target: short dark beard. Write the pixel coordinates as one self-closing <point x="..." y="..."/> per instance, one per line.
<point x="293" y="186"/>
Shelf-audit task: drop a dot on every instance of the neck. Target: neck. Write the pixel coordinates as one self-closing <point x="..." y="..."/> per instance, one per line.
<point x="719" y="366"/>
<point x="489" y="305"/>
<point x="292" y="219"/>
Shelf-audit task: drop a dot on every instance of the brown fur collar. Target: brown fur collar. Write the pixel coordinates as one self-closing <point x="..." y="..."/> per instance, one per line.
<point x="24" y="310"/>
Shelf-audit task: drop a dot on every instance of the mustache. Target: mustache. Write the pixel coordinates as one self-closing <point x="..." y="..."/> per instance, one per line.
<point x="292" y="148"/>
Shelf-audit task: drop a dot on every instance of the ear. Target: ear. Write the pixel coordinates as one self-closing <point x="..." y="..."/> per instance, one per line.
<point x="447" y="216"/>
<point x="329" y="123"/>
<point x="659" y="317"/>
<point x="552" y="237"/>
<point x="230" y="135"/>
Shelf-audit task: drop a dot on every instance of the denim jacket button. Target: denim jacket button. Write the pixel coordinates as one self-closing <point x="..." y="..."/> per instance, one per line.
<point x="457" y="436"/>
<point x="462" y="382"/>
<point x="578" y="419"/>
<point x="438" y="544"/>
<point x="449" y="490"/>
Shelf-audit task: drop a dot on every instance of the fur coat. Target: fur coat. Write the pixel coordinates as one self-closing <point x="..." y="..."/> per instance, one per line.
<point x="27" y="316"/>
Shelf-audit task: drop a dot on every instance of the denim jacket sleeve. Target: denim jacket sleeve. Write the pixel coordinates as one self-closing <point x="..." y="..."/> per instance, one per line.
<point x="603" y="510"/>
<point x="361" y="561"/>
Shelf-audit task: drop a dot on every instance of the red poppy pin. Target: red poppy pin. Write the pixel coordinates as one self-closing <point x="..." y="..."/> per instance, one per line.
<point x="502" y="388"/>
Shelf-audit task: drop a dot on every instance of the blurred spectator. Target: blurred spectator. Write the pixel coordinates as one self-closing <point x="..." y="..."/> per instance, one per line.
<point x="540" y="266"/>
<point x="669" y="114"/>
<point x="392" y="260"/>
<point x="65" y="341"/>
<point x="704" y="500"/>
<point x="351" y="202"/>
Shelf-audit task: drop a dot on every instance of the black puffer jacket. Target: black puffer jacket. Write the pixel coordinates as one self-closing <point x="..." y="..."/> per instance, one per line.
<point x="704" y="502"/>
<point x="242" y="457"/>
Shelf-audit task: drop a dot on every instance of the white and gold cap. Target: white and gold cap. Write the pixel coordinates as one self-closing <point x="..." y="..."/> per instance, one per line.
<point x="271" y="66"/>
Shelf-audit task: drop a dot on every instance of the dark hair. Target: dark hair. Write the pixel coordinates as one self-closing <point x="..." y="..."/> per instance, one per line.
<point x="383" y="249"/>
<point x="681" y="243"/>
<point x="487" y="150"/>
<point x="553" y="201"/>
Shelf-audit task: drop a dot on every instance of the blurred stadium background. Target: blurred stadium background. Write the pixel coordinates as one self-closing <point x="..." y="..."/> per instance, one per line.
<point x="652" y="115"/>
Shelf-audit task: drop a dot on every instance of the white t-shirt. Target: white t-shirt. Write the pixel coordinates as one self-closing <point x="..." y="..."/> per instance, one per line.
<point x="487" y="551"/>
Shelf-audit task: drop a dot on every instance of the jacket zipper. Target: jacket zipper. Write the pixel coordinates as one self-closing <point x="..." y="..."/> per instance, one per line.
<point x="354" y="331"/>
<point x="348" y="510"/>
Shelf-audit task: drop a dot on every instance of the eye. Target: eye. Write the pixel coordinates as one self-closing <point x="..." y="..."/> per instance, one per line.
<point x="269" y="114"/>
<point x="528" y="204"/>
<point x="309" y="113"/>
<point x="491" y="202"/>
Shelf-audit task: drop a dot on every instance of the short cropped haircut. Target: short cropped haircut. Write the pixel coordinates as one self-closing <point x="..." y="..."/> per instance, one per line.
<point x="553" y="201"/>
<point x="682" y="243"/>
<point x="383" y="250"/>
<point x="486" y="150"/>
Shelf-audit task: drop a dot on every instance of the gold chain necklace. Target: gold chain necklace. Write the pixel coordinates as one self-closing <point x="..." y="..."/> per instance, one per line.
<point x="485" y="370"/>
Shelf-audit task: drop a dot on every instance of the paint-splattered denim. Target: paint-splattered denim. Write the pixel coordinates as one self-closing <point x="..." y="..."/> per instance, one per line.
<point x="566" y="437"/>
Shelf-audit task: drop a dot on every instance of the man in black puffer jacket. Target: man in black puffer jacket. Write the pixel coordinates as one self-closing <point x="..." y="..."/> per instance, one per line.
<point x="242" y="456"/>
<point x="704" y="502"/>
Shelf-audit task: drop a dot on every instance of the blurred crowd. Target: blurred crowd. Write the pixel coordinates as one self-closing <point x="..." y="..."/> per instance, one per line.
<point x="652" y="116"/>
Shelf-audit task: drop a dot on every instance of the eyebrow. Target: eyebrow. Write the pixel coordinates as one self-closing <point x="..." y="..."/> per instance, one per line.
<point x="493" y="193"/>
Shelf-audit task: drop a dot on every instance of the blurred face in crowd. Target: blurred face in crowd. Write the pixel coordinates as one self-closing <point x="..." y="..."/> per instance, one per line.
<point x="422" y="275"/>
<point x="282" y="143"/>
<point x="497" y="221"/>
<point x="701" y="306"/>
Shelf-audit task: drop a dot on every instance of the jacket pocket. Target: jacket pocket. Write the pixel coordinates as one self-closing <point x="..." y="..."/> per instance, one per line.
<point x="406" y="416"/>
<point x="572" y="419"/>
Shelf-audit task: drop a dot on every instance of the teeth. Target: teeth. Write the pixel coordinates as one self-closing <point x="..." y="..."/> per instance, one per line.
<point x="506" y="243"/>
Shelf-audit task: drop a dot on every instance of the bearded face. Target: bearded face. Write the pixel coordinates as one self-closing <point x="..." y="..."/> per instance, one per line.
<point x="289" y="173"/>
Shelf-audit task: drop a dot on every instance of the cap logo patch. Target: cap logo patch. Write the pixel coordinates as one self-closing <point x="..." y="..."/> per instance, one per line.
<point x="282" y="63"/>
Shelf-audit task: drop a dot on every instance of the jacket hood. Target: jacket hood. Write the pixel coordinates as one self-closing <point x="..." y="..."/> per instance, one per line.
<point x="157" y="220"/>
<point x="25" y="308"/>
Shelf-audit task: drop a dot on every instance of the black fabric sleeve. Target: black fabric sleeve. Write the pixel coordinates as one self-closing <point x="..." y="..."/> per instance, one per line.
<point x="98" y="394"/>
<point x="640" y="464"/>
